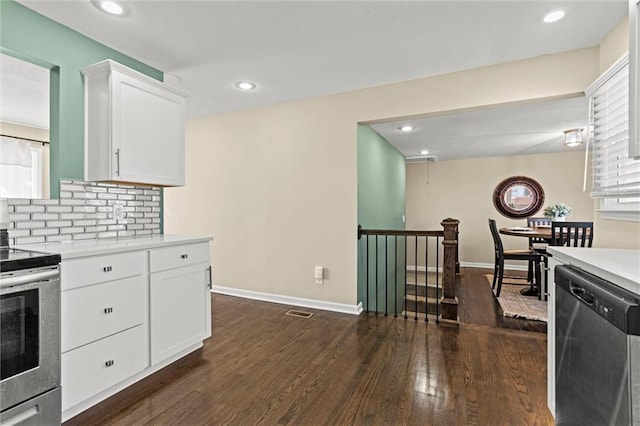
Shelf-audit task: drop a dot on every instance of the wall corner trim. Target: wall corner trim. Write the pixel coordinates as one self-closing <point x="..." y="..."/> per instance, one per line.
<point x="288" y="300"/>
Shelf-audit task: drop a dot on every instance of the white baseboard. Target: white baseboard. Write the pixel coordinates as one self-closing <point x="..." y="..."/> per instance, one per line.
<point x="522" y="267"/>
<point x="288" y="300"/>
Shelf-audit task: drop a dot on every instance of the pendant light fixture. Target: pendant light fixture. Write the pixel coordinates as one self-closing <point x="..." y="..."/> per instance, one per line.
<point x="573" y="137"/>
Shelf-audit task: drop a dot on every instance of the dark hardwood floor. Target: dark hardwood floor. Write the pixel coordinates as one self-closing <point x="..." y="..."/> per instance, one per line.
<point x="264" y="367"/>
<point x="477" y="304"/>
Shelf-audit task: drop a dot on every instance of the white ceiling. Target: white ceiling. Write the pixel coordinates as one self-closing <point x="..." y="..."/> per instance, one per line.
<point x="516" y="129"/>
<point x="299" y="49"/>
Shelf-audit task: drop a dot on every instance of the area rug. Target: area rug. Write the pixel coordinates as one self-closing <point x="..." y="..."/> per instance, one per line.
<point x="515" y="305"/>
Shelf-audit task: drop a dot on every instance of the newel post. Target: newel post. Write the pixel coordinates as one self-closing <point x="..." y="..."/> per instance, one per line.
<point x="449" y="301"/>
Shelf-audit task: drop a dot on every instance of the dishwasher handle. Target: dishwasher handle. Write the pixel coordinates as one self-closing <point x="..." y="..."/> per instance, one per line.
<point x="581" y="293"/>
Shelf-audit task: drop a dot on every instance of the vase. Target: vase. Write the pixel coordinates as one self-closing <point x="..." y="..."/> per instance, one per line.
<point x="560" y="219"/>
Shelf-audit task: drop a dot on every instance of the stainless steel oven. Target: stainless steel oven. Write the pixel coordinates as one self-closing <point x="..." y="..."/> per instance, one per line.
<point x="29" y="338"/>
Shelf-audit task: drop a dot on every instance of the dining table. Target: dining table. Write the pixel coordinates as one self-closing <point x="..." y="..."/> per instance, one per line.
<point x="543" y="232"/>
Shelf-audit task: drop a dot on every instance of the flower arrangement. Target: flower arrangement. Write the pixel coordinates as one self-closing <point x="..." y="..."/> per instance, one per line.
<point x="557" y="210"/>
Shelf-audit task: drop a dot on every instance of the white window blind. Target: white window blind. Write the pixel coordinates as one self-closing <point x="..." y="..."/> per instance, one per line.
<point x="614" y="174"/>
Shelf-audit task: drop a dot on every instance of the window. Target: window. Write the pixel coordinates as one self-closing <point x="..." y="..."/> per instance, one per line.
<point x="21" y="168"/>
<point x="616" y="177"/>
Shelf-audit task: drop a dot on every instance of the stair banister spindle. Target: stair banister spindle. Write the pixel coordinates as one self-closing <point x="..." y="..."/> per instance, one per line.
<point x="367" y="265"/>
<point x="415" y="284"/>
<point x="395" y="278"/>
<point x="426" y="276"/>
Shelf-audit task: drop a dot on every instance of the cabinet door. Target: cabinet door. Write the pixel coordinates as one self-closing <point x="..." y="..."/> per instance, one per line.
<point x="148" y="132"/>
<point x="179" y="310"/>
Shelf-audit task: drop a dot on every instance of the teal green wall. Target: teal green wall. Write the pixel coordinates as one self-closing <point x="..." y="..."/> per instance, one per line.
<point x="381" y="205"/>
<point x="33" y="37"/>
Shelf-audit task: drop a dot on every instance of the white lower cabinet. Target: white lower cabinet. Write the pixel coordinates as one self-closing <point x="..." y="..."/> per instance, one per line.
<point x="127" y="315"/>
<point x="180" y="299"/>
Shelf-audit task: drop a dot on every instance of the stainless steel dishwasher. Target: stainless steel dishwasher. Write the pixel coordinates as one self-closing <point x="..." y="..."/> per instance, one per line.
<point x="597" y="351"/>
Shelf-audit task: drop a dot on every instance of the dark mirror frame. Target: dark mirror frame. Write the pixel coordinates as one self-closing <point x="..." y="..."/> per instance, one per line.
<point x="506" y="185"/>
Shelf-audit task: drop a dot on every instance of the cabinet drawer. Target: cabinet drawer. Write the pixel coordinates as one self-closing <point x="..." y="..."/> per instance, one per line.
<point x="93" y="368"/>
<point x="176" y="256"/>
<point x="91" y="313"/>
<point x="92" y="270"/>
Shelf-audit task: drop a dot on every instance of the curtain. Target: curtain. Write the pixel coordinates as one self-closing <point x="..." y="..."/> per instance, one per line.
<point x="21" y="166"/>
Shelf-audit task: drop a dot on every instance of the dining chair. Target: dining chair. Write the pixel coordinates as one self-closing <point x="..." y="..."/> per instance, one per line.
<point x="501" y="255"/>
<point x="537" y="243"/>
<point x="572" y="234"/>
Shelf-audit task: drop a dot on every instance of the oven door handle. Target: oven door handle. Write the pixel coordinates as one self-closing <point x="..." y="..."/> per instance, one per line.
<point x="28" y="278"/>
<point x="21" y="417"/>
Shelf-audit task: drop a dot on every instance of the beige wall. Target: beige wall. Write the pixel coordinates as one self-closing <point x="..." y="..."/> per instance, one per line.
<point x="276" y="186"/>
<point x="463" y="189"/>
<point x="614" y="45"/>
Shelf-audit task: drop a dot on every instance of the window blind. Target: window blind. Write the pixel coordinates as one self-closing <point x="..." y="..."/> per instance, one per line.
<point x="614" y="174"/>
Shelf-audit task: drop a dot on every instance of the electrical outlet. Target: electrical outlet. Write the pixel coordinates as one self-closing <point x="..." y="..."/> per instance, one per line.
<point x="118" y="212"/>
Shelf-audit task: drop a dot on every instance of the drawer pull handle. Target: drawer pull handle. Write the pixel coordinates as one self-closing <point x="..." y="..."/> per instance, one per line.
<point x="184" y="256"/>
<point x="107" y="269"/>
<point x="109" y="363"/>
<point x="108" y="310"/>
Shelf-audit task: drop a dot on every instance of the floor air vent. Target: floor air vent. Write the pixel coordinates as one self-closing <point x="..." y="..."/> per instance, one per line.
<point x="298" y="314"/>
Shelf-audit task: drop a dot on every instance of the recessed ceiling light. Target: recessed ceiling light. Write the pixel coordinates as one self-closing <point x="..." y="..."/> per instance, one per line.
<point x="111" y="7"/>
<point x="424" y="152"/>
<point x="406" y="128"/>
<point x="554" y="16"/>
<point x="245" y="85"/>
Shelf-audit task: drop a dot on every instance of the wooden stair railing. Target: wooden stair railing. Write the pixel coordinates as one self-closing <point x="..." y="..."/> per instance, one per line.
<point x="416" y="299"/>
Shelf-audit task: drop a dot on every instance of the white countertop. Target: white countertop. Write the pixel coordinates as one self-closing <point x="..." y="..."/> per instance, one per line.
<point x="84" y="248"/>
<point x="619" y="266"/>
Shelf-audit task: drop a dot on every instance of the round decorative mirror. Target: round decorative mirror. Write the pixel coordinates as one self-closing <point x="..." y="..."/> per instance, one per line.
<point x="518" y="197"/>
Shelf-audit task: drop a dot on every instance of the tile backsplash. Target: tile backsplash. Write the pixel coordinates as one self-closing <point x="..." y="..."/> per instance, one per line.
<point x="85" y="211"/>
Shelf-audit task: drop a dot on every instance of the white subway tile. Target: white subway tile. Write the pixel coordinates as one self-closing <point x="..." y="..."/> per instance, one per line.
<point x="64" y="216"/>
<point x="30" y="224"/>
<point x="59" y="223"/>
<point x="30" y="209"/>
<point x="45" y="231"/>
<point x="73" y="230"/>
<point x="15" y="217"/>
<point x="72" y="202"/>
<point x="59" y="209"/>
<point x="107" y="234"/>
<point x="45" y="216"/>
<point x="56" y="238"/>
<point x="53" y="202"/>
<point x="29" y="240"/>
<point x="19" y="201"/>
<point x="86" y="236"/>
<point x="15" y="233"/>
<point x="84" y="222"/>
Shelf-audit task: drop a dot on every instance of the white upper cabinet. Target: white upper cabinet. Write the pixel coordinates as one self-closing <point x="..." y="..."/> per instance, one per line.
<point x="134" y="127"/>
<point x="634" y="79"/>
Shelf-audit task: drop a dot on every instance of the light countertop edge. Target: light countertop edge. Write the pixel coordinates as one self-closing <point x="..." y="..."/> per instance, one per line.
<point x="619" y="266"/>
<point x="96" y="247"/>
